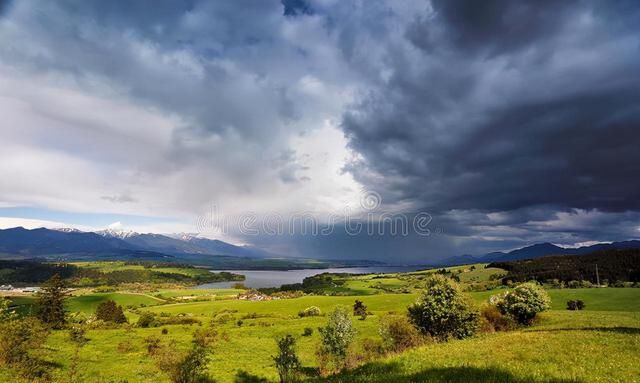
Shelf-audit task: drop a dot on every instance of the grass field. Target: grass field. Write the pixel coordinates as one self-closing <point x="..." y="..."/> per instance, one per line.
<point x="111" y="266"/>
<point x="600" y="344"/>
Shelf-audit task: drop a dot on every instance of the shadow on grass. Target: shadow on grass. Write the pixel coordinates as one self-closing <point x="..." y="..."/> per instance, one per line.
<point x="618" y="329"/>
<point x="392" y="372"/>
<point x="245" y="377"/>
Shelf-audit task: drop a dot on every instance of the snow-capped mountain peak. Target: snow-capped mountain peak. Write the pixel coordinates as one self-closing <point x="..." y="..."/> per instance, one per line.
<point x="116" y="233"/>
<point x="67" y="230"/>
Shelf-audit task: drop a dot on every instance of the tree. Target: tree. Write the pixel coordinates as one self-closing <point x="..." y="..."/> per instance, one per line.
<point x="51" y="303"/>
<point x="443" y="312"/>
<point x="109" y="311"/>
<point x="287" y="361"/>
<point x="338" y="334"/>
<point x="523" y="303"/>
<point x="359" y="309"/>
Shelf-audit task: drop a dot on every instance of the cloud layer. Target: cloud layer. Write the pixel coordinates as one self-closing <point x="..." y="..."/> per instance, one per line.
<point x="509" y="122"/>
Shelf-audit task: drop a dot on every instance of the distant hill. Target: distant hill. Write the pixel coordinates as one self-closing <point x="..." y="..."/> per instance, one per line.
<point x="612" y="265"/>
<point x="537" y="250"/>
<point x="118" y="244"/>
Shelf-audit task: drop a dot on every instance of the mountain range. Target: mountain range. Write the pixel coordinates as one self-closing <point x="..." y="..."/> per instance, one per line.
<point x="110" y="244"/>
<point x="537" y="250"/>
<point x="67" y="242"/>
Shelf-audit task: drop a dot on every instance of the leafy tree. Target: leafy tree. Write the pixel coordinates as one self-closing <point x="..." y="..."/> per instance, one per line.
<point x="338" y="334"/>
<point x="359" y="309"/>
<point x="51" y="303"/>
<point x="523" y="303"/>
<point x="443" y="312"/>
<point x="287" y="361"/>
<point x="109" y="311"/>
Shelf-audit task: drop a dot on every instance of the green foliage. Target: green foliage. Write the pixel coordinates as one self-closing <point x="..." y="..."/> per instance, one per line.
<point x="147" y="319"/>
<point x="185" y="367"/>
<point x="51" y="303"/>
<point x="311" y="311"/>
<point x="523" y="303"/>
<point x="398" y="334"/>
<point x="492" y="320"/>
<point x="308" y="331"/>
<point x="443" y="312"/>
<point x="77" y="335"/>
<point x="6" y="312"/>
<point x="623" y="265"/>
<point x="287" y="362"/>
<point x="359" y="309"/>
<point x="575" y="305"/>
<point x="109" y="311"/>
<point x="338" y="334"/>
<point x="19" y="338"/>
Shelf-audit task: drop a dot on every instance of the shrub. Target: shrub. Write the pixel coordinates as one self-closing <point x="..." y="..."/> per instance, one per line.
<point x="109" y="311"/>
<point x="152" y="344"/>
<point x="492" y="320"/>
<point x="398" y="334"/>
<point x="77" y="335"/>
<point x="443" y="311"/>
<point x="337" y="336"/>
<point x="308" y="331"/>
<point x="147" y="319"/>
<point x="573" y="284"/>
<point x="575" y="305"/>
<point x="523" y="303"/>
<point x="165" y="331"/>
<point x="223" y="318"/>
<point x="20" y="339"/>
<point x="359" y="309"/>
<point x="287" y="362"/>
<point x="311" y="311"/>
<point x="186" y="367"/>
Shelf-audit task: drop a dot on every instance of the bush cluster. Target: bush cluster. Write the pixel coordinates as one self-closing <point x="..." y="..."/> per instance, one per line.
<point x="443" y="312"/>
<point x="311" y="311"/>
<point x="575" y="305"/>
<point x="523" y="303"/>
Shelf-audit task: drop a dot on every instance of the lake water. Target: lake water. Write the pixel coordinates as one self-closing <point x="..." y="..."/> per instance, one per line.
<point x="276" y="278"/>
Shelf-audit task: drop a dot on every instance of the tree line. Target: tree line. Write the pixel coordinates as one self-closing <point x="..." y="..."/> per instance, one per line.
<point x="613" y="265"/>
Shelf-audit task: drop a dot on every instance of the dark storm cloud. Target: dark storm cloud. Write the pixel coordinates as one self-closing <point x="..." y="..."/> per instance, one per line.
<point x="506" y="105"/>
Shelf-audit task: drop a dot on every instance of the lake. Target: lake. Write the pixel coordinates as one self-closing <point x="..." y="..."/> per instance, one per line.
<point x="276" y="278"/>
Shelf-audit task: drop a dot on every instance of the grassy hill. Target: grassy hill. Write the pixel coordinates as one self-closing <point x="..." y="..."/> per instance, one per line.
<point x="599" y="344"/>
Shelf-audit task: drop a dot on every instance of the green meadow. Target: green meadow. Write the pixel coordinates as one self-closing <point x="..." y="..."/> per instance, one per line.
<point x="599" y="344"/>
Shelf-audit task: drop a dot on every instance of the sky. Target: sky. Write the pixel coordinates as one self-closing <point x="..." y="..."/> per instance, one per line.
<point x="470" y="126"/>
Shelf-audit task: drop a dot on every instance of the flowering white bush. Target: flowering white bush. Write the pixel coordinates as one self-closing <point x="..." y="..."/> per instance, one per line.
<point x="522" y="303"/>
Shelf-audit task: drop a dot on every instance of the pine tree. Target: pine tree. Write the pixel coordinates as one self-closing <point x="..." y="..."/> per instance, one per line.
<point x="51" y="303"/>
<point x="109" y="311"/>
